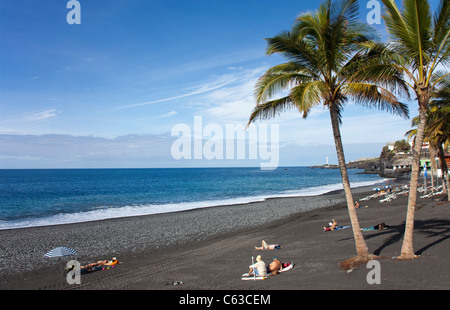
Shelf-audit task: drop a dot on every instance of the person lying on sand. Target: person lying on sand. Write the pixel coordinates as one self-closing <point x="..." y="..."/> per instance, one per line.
<point x="112" y="262"/>
<point x="331" y="225"/>
<point x="266" y="246"/>
<point x="376" y="227"/>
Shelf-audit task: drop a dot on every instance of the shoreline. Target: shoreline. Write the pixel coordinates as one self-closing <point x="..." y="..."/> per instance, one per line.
<point x="144" y="210"/>
<point x="161" y="244"/>
<point x="160" y="230"/>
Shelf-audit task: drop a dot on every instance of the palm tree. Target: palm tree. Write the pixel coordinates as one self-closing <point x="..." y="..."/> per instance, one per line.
<point x="420" y="44"/>
<point x="437" y="132"/>
<point x="438" y="126"/>
<point x="323" y="50"/>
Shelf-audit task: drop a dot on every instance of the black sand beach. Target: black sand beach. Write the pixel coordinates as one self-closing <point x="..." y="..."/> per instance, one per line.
<point x="209" y="249"/>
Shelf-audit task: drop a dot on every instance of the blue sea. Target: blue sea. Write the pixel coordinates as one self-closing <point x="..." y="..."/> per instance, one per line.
<point x="57" y="196"/>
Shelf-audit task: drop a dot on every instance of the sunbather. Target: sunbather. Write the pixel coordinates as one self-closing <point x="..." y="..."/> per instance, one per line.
<point x="258" y="269"/>
<point x="274" y="267"/>
<point x="112" y="262"/>
<point x="331" y="225"/>
<point x="376" y="227"/>
<point x="266" y="246"/>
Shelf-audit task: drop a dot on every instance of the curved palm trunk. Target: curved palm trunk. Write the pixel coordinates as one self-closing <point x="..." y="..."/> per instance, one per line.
<point x="361" y="247"/>
<point x="433" y="164"/>
<point x="407" y="251"/>
<point x="444" y="168"/>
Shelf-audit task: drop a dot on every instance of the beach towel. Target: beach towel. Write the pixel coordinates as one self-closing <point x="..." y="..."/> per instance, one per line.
<point x="286" y="266"/>
<point x="368" y="229"/>
<point x="253" y="278"/>
<point x="96" y="268"/>
<point x="381" y="226"/>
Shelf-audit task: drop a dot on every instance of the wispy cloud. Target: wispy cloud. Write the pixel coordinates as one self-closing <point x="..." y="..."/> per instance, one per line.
<point x="35" y="122"/>
<point x="42" y="115"/>
<point x="55" y="151"/>
<point x="203" y="88"/>
<point x="235" y="102"/>
<point x="170" y="114"/>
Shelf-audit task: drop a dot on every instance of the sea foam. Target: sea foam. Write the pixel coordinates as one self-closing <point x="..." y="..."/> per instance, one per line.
<point x="108" y="212"/>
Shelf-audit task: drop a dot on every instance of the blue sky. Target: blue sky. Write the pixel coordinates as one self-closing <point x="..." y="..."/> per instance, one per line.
<point x="107" y="92"/>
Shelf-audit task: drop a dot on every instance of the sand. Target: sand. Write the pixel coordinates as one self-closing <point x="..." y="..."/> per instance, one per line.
<point x="210" y="248"/>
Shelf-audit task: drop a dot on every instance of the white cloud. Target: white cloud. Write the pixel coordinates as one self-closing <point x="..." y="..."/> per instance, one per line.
<point x="200" y="89"/>
<point x="59" y="151"/>
<point x="170" y="114"/>
<point x="28" y="123"/>
<point x="235" y="102"/>
<point x="42" y="115"/>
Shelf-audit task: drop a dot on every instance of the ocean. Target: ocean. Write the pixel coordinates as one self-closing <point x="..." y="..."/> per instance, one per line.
<point x="39" y="197"/>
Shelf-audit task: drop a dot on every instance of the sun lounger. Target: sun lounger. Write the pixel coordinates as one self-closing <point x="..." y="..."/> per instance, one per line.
<point x="369" y="197"/>
<point x="431" y="194"/>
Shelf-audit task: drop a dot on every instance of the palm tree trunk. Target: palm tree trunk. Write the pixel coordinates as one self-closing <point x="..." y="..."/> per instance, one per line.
<point x="433" y="151"/>
<point x="444" y="168"/>
<point x="361" y="247"/>
<point x="407" y="251"/>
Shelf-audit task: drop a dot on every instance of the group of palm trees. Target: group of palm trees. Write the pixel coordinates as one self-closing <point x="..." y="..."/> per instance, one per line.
<point x="332" y="57"/>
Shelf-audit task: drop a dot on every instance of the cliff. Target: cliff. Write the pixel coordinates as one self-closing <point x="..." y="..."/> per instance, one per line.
<point x="369" y="165"/>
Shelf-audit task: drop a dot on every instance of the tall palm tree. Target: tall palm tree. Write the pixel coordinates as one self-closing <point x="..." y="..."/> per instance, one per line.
<point x="420" y="44"/>
<point x="438" y="126"/>
<point x="437" y="133"/>
<point x="323" y="50"/>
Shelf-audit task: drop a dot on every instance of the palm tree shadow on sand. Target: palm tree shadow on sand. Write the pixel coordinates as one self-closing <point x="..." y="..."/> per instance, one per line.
<point x="437" y="230"/>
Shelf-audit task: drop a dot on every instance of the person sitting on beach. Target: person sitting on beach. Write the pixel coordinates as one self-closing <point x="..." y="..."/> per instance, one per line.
<point x="266" y="246"/>
<point x="356" y="205"/>
<point x="331" y="225"/>
<point x="376" y="227"/>
<point x="258" y="269"/>
<point x="274" y="267"/>
<point x="112" y="262"/>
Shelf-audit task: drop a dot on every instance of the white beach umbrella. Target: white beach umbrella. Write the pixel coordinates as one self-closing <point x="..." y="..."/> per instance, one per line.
<point x="60" y="251"/>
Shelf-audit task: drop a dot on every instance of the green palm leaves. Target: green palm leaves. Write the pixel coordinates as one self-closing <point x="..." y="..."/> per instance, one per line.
<point x="331" y="58"/>
<point x="325" y="52"/>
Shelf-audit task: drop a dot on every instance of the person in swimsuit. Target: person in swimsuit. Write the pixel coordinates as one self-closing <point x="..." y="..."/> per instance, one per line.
<point x="266" y="246"/>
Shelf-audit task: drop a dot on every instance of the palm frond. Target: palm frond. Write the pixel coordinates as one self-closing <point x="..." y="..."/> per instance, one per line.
<point x="271" y="109"/>
<point x="307" y="95"/>
<point x="373" y="96"/>
<point x="441" y="21"/>
<point x="271" y="83"/>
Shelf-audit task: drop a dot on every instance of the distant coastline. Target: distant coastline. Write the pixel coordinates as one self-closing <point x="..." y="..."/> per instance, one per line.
<point x="370" y="165"/>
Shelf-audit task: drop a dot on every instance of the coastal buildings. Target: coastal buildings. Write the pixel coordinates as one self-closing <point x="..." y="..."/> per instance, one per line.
<point x="401" y="161"/>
